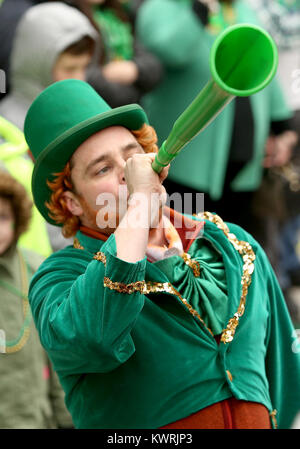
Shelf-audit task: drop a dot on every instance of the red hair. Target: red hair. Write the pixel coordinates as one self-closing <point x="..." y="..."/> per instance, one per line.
<point x="58" y="211"/>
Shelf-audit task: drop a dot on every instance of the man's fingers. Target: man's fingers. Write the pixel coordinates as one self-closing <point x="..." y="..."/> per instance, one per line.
<point x="164" y="173"/>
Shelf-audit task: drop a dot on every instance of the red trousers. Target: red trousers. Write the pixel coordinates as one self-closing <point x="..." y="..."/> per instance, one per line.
<point x="228" y="414"/>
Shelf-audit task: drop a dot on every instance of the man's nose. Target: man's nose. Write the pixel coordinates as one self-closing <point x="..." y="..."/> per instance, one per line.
<point x="121" y="171"/>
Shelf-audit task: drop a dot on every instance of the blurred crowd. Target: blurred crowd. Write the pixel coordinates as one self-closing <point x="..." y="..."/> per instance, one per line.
<point x="155" y="53"/>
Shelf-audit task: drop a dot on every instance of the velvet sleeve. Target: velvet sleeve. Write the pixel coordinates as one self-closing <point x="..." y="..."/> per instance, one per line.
<point x="83" y="324"/>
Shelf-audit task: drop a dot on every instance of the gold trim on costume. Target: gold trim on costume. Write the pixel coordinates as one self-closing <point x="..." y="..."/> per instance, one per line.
<point x="245" y="250"/>
<point x="101" y="257"/>
<point x="193" y="264"/>
<point x="273" y="418"/>
<point x="151" y="287"/>
<point x="76" y="244"/>
<point x="247" y="253"/>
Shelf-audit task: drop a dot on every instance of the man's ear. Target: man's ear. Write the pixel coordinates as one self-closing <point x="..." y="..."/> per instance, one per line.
<point x="73" y="203"/>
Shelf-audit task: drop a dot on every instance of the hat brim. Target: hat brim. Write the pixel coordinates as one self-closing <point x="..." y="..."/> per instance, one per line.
<point x="55" y="156"/>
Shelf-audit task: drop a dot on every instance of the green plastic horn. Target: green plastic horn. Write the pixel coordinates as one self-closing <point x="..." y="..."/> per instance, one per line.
<point x="243" y="60"/>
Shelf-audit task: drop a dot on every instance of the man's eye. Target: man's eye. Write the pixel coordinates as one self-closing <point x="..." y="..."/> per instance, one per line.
<point x="103" y="170"/>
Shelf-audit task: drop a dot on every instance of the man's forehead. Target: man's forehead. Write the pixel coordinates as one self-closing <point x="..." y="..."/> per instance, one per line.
<point x="104" y="142"/>
<point x="110" y="134"/>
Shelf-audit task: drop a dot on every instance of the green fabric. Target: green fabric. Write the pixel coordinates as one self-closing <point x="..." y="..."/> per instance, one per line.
<point x="208" y="293"/>
<point x="13" y="154"/>
<point x="117" y="35"/>
<point x="171" y="30"/>
<point x="29" y="399"/>
<point x="143" y="361"/>
<point x="60" y="119"/>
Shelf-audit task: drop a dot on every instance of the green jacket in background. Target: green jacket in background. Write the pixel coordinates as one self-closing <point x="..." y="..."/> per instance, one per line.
<point x="31" y="395"/>
<point x="171" y="30"/>
<point x="13" y="155"/>
<point x="130" y="354"/>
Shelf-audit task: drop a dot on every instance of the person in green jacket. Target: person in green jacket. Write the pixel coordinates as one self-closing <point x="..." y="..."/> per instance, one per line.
<point x="226" y="161"/>
<point x="31" y="395"/>
<point x="152" y="318"/>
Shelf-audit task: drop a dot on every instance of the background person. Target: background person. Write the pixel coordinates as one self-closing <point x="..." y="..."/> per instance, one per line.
<point x="123" y="70"/>
<point x="31" y="396"/>
<point x="14" y="158"/>
<point x="225" y="161"/>
<point x="53" y="41"/>
<point x="282" y="20"/>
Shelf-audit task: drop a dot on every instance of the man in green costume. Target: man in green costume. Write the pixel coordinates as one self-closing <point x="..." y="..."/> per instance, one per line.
<point x="152" y="319"/>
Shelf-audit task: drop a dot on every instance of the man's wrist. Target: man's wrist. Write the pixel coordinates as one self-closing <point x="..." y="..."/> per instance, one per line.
<point x="138" y="214"/>
<point x="146" y="205"/>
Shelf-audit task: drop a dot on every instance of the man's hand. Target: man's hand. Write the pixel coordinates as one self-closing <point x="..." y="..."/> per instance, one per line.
<point x="140" y="176"/>
<point x="147" y="196"/>
<point x="279" y="149"/>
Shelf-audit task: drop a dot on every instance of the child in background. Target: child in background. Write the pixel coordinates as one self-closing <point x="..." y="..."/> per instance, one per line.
<point x="53" y="41"/>
<point x="31" y="396"/>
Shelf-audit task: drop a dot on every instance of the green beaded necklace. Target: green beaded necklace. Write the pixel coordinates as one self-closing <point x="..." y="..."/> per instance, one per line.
<point x="18" y="343"/>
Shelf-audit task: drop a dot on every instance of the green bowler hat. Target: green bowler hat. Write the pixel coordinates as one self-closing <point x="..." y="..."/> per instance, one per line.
<point x="60" y="119"/>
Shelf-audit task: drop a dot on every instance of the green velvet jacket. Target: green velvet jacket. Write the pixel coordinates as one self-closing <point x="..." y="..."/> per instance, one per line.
<point x="133" y="344"/>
